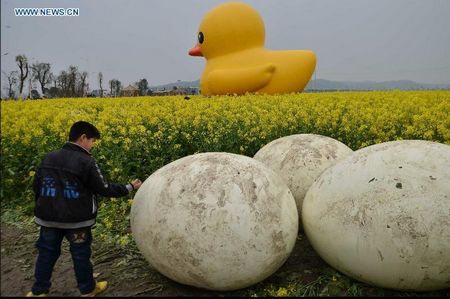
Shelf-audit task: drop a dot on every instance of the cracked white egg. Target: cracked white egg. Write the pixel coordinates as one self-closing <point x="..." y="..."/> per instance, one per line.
<point x="299" y="159"/>
<point x="382" y="215"/>
<point x="216" y="221"/>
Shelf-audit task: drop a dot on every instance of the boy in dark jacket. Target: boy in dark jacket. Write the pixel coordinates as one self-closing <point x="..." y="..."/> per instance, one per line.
<point x="66" y="185"/>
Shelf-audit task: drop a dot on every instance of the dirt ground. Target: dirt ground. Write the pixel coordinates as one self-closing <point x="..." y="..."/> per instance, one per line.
<point x="18" y="255"/>
<point x="128" y="274"/>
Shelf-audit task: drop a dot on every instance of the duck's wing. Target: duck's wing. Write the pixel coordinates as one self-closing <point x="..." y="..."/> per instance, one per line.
<point x="239" y="81"/>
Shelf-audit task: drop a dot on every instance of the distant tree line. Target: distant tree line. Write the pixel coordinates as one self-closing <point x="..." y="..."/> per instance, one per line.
<point x="68" y="83"/>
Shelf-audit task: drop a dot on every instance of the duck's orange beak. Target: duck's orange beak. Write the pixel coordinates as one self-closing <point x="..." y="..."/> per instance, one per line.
<point x="196" y="51"/>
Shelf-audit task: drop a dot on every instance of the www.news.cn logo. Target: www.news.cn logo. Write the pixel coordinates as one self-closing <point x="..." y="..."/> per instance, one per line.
<point x="46" y="12"/>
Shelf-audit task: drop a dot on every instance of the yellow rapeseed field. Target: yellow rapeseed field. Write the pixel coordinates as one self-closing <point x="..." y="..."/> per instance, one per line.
<point x="140" y="135"/>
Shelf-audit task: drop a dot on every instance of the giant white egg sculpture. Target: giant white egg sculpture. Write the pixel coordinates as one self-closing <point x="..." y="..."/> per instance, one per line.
<point x="382" y="215"/>
<point x="217" y="221"/>
<point x="299" y="159"/>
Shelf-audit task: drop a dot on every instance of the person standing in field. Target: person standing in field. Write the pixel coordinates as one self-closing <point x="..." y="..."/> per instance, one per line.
<point x="66" y="185"/>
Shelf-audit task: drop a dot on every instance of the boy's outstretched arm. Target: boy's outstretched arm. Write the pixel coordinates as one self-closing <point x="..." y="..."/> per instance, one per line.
<point x="96" y="181"/>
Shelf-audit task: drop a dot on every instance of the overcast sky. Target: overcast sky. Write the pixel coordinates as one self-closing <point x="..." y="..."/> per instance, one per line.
<point x="355" y="40"/>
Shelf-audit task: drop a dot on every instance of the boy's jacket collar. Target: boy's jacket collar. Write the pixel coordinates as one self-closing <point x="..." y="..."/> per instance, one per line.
<point x="76" y="147"/>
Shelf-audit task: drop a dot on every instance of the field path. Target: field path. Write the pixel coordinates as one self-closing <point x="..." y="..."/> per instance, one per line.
<point x="128" y="274"/>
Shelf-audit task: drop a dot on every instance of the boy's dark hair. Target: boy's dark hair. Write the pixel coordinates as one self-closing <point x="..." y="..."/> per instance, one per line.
<point x="82" y="127"/>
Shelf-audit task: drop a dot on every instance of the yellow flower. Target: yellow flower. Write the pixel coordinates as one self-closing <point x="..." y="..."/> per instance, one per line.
<point x="140" y="135"/>
<point x="282" y="292"/>
<point x="108" y="224"/>
<point x="123" y="241"/>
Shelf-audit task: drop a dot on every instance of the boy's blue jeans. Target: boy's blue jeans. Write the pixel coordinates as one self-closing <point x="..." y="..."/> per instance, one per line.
<point x="49" y="247"/>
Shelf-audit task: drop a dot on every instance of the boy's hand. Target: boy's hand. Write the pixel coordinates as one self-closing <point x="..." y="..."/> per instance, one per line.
<point x="136" y="184"/>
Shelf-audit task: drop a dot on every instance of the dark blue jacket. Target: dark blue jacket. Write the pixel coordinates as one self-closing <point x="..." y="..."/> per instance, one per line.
<point x="66" y="184"/>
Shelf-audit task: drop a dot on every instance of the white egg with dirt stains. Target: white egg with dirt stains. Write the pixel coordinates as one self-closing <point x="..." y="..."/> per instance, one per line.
<point x="217" y="221"/>
<point x="300" y="159"/>
<point x="382" y="215"/>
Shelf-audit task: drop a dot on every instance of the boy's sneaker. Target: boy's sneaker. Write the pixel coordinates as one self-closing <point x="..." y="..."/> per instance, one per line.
<point x="30" y="294"/>
<point x="99" y="288"/>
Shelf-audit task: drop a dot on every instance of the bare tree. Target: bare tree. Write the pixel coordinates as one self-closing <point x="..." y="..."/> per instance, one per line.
<point x="73" y="72"/>
<point x="143" y="86"/>
<point x="100" y="80"/>
<point x="63" y="83"/>
<point x="83" y="84"/>
<point x="41" y="73"/>
<point x="12" y="81"/>
<point x="111" y="86"/>
<point x="115" y="87"/>
<point x="118" y="87"/>
<point x="22" y="62"/>
<point x="51" y="79"/>
<point x="70" y="83"/>
<point x="53" y="91"/>
<point x="87" y="89"/>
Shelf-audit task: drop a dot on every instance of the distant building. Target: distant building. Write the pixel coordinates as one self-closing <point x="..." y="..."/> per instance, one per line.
<point x="192" y="90"/>
<point x="175" y="91"/>
<point x="98" y="93"/>
<point x="160" y="93"/>
<point x="130" y="91"/>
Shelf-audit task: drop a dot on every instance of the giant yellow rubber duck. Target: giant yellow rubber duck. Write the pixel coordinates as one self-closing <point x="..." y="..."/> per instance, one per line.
<point x="231" y="38"/>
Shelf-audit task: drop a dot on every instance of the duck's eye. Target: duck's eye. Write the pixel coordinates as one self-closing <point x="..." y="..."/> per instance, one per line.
<point x="201" y="38"/>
